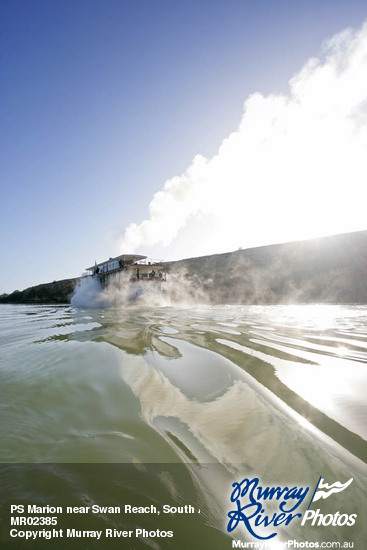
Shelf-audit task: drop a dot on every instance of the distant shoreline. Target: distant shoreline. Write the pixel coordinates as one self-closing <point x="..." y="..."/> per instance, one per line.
<point x="327" y="270"/>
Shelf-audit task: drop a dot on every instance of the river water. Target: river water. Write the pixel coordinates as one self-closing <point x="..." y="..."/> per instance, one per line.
<point x="174" y="404"/>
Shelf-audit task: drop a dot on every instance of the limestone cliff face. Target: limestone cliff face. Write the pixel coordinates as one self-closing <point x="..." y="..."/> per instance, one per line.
<point x="326" y="270"/>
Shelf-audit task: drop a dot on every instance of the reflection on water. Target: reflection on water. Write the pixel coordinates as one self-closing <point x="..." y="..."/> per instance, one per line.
<point x="276" y="391"/>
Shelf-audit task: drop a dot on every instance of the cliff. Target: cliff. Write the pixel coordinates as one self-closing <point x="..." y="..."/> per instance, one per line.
<point x="325" y="270"/>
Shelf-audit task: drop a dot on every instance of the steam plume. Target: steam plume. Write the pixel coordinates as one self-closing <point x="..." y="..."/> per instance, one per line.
<point x="178" y="290"/>
<point x="294" y="169"/>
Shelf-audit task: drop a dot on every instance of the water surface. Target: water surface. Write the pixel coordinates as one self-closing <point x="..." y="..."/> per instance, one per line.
<point x="271" y="391"/>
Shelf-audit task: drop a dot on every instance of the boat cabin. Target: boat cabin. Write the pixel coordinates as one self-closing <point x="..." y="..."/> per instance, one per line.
<point x="127" y="267"/>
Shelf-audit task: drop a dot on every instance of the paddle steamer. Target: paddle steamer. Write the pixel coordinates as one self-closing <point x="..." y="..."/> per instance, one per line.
<point x="128" y="268"/>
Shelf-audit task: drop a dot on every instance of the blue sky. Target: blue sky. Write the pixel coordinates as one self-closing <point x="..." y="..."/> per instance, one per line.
<point x="102" y="102"/>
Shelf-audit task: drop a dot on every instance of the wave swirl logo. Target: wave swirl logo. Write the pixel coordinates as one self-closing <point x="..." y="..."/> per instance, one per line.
<point x="323" y="490"/>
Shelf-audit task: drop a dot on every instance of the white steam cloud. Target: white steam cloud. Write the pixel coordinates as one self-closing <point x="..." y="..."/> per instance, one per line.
<point x="177" y="290"/>
<point x="295" y="168"/>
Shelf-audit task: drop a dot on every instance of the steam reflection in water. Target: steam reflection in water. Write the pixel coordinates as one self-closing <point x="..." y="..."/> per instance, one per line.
<point x="313" y="358"/>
